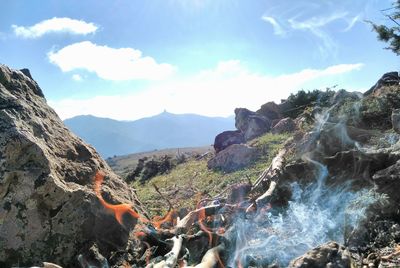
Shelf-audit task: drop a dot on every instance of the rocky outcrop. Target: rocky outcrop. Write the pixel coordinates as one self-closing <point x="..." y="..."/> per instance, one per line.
<point x="227" y="138"/>
<point x="48" y="210"/>
<point x="234" y="157"/>
<point x="251" y="124"/>
<point x="270" y="110"/>
<point x="388" y="79"/>
<point x="285" y="125"/>
<point x="328" y="255"/>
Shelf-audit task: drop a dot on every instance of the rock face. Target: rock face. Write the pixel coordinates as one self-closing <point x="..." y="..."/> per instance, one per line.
<point x="250" y="123"/>
<point x="48" y="210"/>
<point x="232" y="158"/>
<point x="328" y="255"/>
<point x="284" y="125"/>
<point x="227" y="138"/>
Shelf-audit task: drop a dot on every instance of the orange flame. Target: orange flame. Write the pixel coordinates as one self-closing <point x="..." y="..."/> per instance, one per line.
<point x="118" y="210"/>
<point x="202" y="217"/>
<point x="170" y="217"/>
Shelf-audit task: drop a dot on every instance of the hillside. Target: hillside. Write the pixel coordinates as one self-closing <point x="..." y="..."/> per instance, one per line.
<point x="187" y="182"/>
<point x="166" y="130"/>
<point x="125" y="163"/>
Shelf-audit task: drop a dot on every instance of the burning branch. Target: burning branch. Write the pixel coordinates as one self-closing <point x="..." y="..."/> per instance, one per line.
<point x="118" y="210"/>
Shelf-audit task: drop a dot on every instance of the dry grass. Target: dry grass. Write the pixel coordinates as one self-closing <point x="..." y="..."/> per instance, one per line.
<point x="190" y="181"/>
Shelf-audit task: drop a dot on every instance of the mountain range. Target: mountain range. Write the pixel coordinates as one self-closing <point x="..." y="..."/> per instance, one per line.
<point x="166" y="130"/>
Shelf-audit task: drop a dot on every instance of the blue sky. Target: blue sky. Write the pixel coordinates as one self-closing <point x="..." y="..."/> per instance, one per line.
<point x="130" y="59"/>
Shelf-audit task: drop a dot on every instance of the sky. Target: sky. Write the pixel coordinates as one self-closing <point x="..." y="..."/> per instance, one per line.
<point x="128" y="59"/>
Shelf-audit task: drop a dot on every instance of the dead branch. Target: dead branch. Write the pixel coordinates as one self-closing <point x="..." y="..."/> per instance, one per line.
<point x="189" y="219"/>
<point x="203" y="155"/>
<point x="271" y="172"/>
<point x="264" y="198"/>
<point x="271" y="175"/>
<point x="163" y="197"/>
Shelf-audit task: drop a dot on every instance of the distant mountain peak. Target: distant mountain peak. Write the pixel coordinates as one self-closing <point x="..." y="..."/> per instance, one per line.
<point x="165" y="130"/>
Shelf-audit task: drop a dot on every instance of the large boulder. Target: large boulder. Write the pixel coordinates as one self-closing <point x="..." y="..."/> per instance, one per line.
<point x="227" y="138"/>
<point x="284" y="125"/>
<point x="48" y="209"/>
<point x="328" y="255"/>
<point x="388" y="79"/>
<point x="270" y="110"/>
<point x="250" y="123"/>
<point x="233" y="158"/>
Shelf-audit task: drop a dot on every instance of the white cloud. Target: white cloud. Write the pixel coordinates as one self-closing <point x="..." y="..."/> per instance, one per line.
<point x="77" y="77"/>
<point x="55" y="25"/>
<point x="110" y="63"/>
<point x="214" y="92"/>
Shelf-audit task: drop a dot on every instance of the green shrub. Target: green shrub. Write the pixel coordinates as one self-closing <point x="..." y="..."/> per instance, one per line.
<point x="304" y="99"/>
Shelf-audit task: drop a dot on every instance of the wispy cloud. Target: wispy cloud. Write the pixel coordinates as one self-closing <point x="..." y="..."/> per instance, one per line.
<point x="321" y="19"/>
<point x="278" y="29"/>
<point x="352" y="22"/>
<point x="55" y="25"/>
<point x="110" y="63"/>
<point x="212" y="92"/>
<point x="315" y="26"/>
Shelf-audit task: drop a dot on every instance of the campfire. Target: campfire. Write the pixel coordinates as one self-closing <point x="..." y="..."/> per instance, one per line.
<point x="245" y="229"/>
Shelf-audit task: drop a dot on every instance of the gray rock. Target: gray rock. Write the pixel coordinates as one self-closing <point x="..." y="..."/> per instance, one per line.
<point x="227" y="138"/>
<point x="251" y="124"/>
<point x="270" y="110"/>
<point x="396" y="120"/>
<point x="285" y="125"/>
<point x="48" y="210"/>
<point x="233" y="157"/>
<point x="26" y="72"/>
<point x="330" y="254"/>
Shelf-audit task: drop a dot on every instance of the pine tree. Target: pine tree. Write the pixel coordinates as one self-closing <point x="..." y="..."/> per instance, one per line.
<point x="390" y="35"/>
